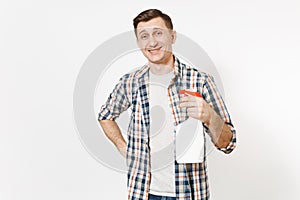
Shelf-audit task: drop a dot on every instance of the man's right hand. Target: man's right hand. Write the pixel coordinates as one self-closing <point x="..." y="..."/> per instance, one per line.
<point x="122" y="150"/>
<point x="113" y="133"/>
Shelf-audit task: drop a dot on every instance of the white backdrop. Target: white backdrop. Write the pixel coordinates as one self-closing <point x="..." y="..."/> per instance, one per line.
<point x="255" y="46"/>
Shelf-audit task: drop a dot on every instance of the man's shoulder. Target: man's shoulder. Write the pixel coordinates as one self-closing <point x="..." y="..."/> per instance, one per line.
<point x="194" y="71"/>
<point x="134" y="74"/>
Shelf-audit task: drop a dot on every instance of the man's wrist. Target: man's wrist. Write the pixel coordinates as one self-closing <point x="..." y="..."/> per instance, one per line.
<point x="212" y="118"/>
<point x="215" y="126"/>
<point x="122" y="150"/>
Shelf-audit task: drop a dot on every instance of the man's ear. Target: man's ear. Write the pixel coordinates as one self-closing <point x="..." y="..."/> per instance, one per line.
<point x="173" y="35"/>
<point x="137" y="43"/>
<point x="136" y="38"/>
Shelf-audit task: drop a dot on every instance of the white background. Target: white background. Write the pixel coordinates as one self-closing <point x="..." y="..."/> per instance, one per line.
<point x="254" y="44"/>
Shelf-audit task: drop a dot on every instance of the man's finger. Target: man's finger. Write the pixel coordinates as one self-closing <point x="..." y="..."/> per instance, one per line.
<point x="192" y="110"/>
<point x="187" y="98"/>
<point x="188" y="104"/>
<point x="190" y="92"/>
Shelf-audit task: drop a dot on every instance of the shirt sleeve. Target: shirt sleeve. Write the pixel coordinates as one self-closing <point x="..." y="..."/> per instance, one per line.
<point x="212" y="96"/>
<point x="116" y="103"/>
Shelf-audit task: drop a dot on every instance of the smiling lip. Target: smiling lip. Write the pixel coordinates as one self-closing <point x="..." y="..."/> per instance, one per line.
<point x="154" y="50"/>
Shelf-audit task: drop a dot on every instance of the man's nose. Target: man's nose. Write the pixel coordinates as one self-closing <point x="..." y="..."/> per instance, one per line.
<point x="152" y="41"/>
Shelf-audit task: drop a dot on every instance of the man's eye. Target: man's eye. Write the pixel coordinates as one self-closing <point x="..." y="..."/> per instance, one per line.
<point x="144" y="36"/>
<point x="158" y="33"/>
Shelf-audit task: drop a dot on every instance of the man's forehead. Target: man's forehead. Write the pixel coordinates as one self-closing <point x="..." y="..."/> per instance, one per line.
<point x="157" y="22"/>
<point x="150" y="29"/>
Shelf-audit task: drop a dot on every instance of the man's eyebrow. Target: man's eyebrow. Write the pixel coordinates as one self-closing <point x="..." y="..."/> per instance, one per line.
<point x="142" y="31"/>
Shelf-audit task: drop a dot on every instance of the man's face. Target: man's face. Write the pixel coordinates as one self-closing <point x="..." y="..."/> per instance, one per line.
<point x="155" y="40"/>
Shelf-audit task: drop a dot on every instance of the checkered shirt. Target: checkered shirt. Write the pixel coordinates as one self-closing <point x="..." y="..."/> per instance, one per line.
<point x="132" y="91"/>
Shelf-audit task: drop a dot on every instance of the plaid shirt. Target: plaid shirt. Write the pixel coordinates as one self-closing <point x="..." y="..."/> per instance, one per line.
<point x="132" y="90"/>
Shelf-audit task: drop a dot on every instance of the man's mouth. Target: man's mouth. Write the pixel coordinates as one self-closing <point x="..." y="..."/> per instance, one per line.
<point x="154" y="51"/>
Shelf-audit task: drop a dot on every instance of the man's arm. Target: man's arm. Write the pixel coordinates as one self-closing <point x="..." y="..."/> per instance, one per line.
<point x="211" y="110"/>
<point x="219" y="131"/>
<point x="198" y="108"/>
<point x="113" y="133"/>
<point x="116" y="103"/>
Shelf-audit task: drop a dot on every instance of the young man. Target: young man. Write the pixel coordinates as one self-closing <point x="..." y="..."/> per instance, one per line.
<point x="155" y="37"/>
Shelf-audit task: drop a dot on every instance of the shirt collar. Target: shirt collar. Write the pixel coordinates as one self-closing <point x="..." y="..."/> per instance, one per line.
<point x="177" y="69"/>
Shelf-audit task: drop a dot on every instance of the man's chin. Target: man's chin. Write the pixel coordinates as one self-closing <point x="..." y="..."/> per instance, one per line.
<point x="156" y="61"/>
<point x="155" y="58"/>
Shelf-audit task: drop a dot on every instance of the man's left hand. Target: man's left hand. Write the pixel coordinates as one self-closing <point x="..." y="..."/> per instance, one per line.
<point x="197" y="108"/>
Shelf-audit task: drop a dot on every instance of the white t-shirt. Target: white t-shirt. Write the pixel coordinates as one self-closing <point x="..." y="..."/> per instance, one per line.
<point x="161" y="137"/>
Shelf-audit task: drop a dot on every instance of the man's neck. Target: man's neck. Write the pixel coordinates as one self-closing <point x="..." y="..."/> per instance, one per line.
<point x="164" y="68"/>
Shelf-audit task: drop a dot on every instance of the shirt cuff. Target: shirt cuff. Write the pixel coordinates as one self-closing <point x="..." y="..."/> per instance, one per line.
<point x="105" y="114"/>
<point x="231" y="146"/>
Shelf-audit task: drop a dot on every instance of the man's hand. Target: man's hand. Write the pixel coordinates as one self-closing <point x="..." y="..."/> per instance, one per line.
<point x="197" y="108"/>
<point x="113" y="132"/>
<point x="122" y="150"/>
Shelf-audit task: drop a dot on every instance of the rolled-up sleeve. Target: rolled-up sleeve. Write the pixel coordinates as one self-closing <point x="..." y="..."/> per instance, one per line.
<point x="116" y="103"/>
<point x="232" y="143"/>
<point x="213" y="97"/>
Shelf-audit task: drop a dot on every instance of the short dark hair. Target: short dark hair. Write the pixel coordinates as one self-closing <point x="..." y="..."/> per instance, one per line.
<point x="151" y="14"/>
